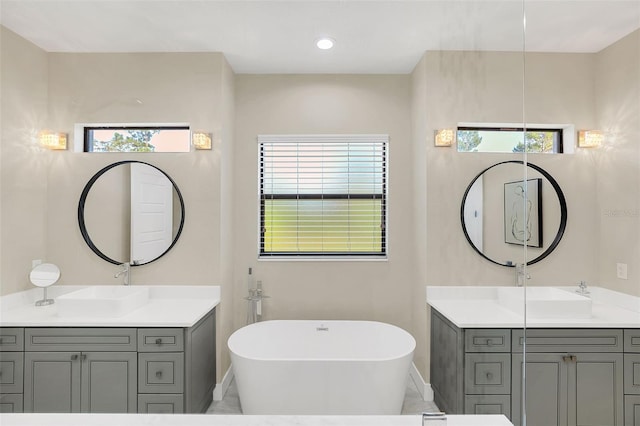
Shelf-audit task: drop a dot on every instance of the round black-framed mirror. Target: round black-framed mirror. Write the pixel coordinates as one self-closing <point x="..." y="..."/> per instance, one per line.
<point x="542" y="179"/>
<point x="100" y="194"/>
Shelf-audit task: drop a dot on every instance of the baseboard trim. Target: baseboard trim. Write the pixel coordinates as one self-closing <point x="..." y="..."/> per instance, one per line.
<point x="423" y="388"/>
<point x="221" y="388"/>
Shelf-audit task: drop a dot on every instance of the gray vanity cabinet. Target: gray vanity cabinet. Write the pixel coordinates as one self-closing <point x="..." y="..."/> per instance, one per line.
<point x="11" y="369"/>
<point x="108" y="370"/>
<point x="70" y="370"/>
<point x="574" y="377"/>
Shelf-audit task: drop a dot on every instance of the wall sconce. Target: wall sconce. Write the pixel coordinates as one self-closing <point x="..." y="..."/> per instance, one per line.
<point x="590" y="138"/>
<point x="53" y="140"/>
<point x="444" y="137"/>
<point x="201" y="140"/>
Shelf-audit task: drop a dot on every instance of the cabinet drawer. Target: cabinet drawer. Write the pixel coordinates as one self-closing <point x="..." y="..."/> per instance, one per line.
<point x="632" y="340"/>
<point x="11" y="403"/>
<point x="487" y="374"/>
<point x="160" y="340"/>
<point x="488" y="404"/>
<point x="480" y="340"/>
<point x="11" y="370"/>
<point x="11" y="339"/>
<point x="161" y="403"/>
<point x="568" y="340"/>
<point x="632" y="374"/>
<point x="80" y="339"/>
<point x="160" y="372"/>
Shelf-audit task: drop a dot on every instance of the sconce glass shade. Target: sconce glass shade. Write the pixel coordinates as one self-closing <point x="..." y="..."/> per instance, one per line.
<point x="444" y="137"/>
<point x="52" y="140"/>
<point x="201" y="140"/>
<point x="590" y="138"/>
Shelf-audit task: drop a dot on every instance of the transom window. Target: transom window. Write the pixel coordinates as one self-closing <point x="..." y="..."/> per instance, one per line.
<point x="499" y="139"/>
<point x="323" y="195"/>
<point x="112" y="138"/>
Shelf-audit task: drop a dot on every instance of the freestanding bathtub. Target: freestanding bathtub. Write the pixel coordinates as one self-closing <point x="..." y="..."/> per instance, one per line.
<point x="321" y="367"/>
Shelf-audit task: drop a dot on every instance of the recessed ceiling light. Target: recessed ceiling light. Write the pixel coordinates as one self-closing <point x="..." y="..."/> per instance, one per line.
<point x="325" y="43"/>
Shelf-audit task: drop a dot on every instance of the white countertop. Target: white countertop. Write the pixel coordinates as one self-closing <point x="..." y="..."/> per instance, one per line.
<point x="478" y="307"/>
<point x="168" y="306"/>
<point x="237" y="420"/>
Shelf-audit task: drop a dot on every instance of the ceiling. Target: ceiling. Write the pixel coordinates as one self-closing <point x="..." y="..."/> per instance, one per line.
<point x="265" y="36"/>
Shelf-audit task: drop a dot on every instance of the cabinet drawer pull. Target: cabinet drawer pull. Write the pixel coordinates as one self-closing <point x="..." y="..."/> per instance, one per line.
<point x="74" y="357"/>
<point x="159" y="374"/>
<point x="158" y="341"/>
<point x="489" y="342"/>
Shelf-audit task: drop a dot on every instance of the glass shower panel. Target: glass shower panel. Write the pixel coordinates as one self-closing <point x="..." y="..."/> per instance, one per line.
<point x="582" y="73"/>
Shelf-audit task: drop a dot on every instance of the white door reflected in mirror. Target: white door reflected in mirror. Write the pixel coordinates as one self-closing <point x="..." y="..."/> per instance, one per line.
<point x="44" y="275"/>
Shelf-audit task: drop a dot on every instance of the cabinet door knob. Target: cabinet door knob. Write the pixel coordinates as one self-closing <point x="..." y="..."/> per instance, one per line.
<point x="159" y="374"/>
<point x="74" y="357"/>
<point x="158" y="341"/>
<point x="489" y="342"/>
<point x="0" y="340"/>
<point x="83" y="357"/>
<point x="489" y="376"/>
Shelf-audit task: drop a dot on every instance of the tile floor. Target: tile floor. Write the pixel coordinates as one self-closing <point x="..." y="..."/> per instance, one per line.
<point x="413" y="403"/>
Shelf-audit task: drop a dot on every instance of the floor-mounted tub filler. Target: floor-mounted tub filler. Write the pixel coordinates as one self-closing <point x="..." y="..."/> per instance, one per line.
<point x="321" y="367"/>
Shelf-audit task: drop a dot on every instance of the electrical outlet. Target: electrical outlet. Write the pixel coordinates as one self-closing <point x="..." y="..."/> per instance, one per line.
<point x="35" y="262"/>
<point x="621" y="270"/>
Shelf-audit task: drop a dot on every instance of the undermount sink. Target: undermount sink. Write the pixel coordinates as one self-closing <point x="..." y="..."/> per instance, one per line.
<point x="102" y="301"/>
<point x="545" y="302"/>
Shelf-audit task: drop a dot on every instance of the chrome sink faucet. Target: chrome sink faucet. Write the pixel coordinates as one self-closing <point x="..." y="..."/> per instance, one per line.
<point x="521" y="275"/>
<point x="126" y="267"/>
<point x="582" y="288"/>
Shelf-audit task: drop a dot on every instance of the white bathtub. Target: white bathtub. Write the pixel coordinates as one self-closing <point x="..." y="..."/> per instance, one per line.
<point x="321" y="367"/>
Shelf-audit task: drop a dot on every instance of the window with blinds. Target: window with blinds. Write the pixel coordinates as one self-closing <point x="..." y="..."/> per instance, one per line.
<point x="323" y="195"/>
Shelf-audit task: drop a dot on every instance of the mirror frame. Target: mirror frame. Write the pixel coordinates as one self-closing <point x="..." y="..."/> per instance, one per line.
<point x="563" y="212"/>
<point x="83" y="199"/>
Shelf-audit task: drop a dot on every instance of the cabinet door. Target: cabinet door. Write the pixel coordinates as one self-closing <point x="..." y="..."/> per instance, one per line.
<point x="546" y="390"/>
<point x="11" y="370"/>
<point x="632" y="410"/>
<point x="595" y="390"/>
<point x="51" y="382"/>
<point x="109" y="382"/>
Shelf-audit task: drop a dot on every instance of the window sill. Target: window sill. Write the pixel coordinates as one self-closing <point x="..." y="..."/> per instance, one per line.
<point x="323" y="258"/>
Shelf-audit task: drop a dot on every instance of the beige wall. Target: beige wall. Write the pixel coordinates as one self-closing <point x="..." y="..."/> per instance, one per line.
<point x="617" y="163"/>
<point x="325" y="104"/>
<point x="23" y="164"/>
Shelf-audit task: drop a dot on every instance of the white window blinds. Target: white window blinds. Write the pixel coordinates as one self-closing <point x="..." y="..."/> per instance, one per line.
<point x="323" y="195"/>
